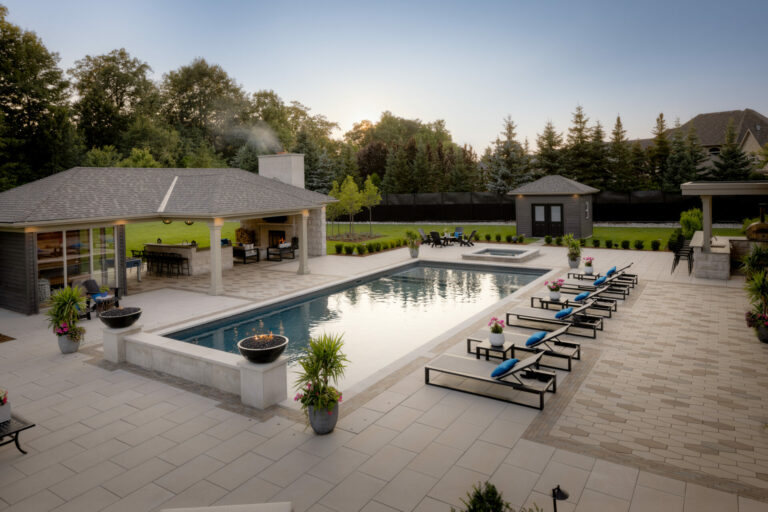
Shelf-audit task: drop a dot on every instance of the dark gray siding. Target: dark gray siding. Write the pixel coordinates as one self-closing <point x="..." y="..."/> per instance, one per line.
<point x="574" y="220"/>
<point x="18" y="290"/>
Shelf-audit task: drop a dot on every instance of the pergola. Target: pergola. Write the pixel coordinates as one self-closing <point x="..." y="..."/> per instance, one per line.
<point x="708" y="189"/>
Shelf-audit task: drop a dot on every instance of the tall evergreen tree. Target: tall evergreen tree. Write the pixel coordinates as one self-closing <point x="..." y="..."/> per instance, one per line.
<point x="618" y="159"/>
<point x="507" y="164"/>
<point x="658" y="153"/>
<point x="680" y="168"/>
<point x="549" y="157"/>
<point x="422" y="169"/>
<point x="578" y="154"/>
<point x="639" y="168"/>
<point x="733" y="164"/>
<point x="696" y="153"/>
<point x="464" y="175"/>
<point x="596" y="174"/>
<point x="320" y="178"/>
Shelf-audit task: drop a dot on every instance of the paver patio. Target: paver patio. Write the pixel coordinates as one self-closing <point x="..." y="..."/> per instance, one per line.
<point x="664" y="412"/>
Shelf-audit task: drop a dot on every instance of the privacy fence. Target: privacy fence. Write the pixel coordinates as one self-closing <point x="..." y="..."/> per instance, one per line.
<point x="638" y="206"/>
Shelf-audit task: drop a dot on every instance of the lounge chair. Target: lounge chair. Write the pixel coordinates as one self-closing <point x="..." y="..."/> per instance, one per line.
<point x="623" y="275"/>
<point x="436" y="240"/>
<point x="600" y="302"/>
<point x="470" y="375"/>
<point x="469" y="241"/>
<point x="617" y="288"/>
<point x="549" y="344"/>
<point x="576" y="317"/>
<point x="93" y="294"/>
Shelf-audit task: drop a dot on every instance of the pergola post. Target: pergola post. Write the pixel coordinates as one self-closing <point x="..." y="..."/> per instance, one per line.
<point x="217" y="285"/>
<point x="303" y="243"/>
<point x="706" y="213"/>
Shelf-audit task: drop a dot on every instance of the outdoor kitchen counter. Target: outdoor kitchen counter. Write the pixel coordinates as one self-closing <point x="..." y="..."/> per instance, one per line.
<point x="199" y="259"/>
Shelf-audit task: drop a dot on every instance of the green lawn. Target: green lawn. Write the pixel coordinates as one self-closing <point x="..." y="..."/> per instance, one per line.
<point x="138" y="234"/>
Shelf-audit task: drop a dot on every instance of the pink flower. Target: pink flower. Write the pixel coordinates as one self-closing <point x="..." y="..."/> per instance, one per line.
<point x="329" y="413"/>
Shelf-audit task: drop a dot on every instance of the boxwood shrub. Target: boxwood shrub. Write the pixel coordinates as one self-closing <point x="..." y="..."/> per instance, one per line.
<point x="639" y="245"/>
<point x="487" y="237"/>
<point x="498" y="237"/>
<point x="548" y="239"/>
<point x="521" y="238"/>
<point x="559" y="240"/>
<point x="595" y="242"/>
<point x="361" y="249"/>
<point x="339" y="248"/>
<point x="655" y="244"/>
<point x="609" y="243"/>
<point x="349" y="249"/>
<point x="625" y="244"/>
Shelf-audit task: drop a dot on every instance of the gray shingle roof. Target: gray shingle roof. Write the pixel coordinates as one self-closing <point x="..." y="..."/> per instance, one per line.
<point x="554" y="185"/>
<point x="711" y="127"/>
<point x="90" y="193"/>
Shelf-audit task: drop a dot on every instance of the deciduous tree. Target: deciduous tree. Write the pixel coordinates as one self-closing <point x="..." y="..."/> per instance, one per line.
<point x="350" y="201"/>
<point x="139" y="158"/>
<point x="370" y="197"/>
<point x="106" y="156"/>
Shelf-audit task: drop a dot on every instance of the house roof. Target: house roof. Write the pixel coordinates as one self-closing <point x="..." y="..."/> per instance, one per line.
<point x="553" y="185"/>
<point x="122" y="193"/>
<point x="710" y="127"/>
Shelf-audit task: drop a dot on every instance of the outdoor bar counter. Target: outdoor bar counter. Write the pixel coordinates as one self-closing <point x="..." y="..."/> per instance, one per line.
<point x="199" y="259"/>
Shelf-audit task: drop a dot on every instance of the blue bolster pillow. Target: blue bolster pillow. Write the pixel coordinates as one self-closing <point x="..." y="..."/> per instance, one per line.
<point x="582" y="296"/>
<point x="599" y="281"/>
<point x="504" y="368"/>
<point x="611" y="271"/>
<point x="100" y="295"/>
<point x="535" y="338"/>
<point x="563" y="312"/>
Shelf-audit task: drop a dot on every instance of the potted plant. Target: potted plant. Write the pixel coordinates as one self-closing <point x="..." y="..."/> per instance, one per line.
<point x="262" y="348"/>
<point x="5" y="407"/>
<point x="322" y="365"/>
<point x="485" y="498"/>
<point x="588" y="268"/>
<point x="66" y="306"/>
<point x="497" y="332"/>
<point x="757" y="290"/>
<point x="574" y="250"/>
<point x="554" y="288"/>
<point x="412" y="239"/>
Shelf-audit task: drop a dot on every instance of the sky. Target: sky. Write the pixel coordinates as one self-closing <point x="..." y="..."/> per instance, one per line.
<point x="470" y="63"/>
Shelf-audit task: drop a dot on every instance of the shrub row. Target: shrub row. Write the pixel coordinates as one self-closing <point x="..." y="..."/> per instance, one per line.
<point x="368" y="247"/>
<point x="510" y="239"/>
<point x="609" y="244"/>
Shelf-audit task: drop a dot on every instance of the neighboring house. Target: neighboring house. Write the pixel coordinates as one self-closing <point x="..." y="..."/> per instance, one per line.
<point x="71" y="225"/>
<point x="751" y="132"/>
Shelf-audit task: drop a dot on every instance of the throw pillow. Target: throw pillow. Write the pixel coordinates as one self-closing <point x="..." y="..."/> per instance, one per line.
<point x="563" y="313"/>
<point x="535" y="338"/>
<point x="503" y="369"/>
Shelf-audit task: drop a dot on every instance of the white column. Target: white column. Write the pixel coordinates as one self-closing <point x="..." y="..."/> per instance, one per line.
<point x="706" y="213"/>
<point x="303" y="243"/>
<point x="217" y="286"/>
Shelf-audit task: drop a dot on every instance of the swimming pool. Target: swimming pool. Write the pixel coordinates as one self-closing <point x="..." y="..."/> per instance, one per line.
<point x="382" y="317"/>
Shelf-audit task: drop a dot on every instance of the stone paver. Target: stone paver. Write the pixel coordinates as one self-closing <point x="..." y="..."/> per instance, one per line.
<point x="664" y="412"/>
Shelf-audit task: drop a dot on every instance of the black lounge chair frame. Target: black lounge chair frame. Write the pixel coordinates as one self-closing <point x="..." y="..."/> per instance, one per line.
<point x="604" y="306"/>
<point x="623" y="276"/>
<point x="616" y="288"/>
<point x="528" y="368"/>
<point x="578" y="319"/>
<point x="553" y="338"/>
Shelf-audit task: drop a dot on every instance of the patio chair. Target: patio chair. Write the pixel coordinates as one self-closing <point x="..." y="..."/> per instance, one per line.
<point x="549" y="344"/>
<point x="683" y="252"/>
<point x="469" y="241"/>
<point x="100" y="299"/>
<point x="473" y="376"/>
<point x="424" y="238"/>
<point x="576" y="317"/>
<point x="436" y="241"/>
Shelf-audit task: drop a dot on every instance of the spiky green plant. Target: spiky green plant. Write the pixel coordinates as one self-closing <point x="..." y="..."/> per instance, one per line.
<point x="66" y="306"/>
<point x="322" y="365"/>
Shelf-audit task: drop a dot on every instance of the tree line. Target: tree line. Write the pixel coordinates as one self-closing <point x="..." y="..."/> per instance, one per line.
<point x="106" y="111"/>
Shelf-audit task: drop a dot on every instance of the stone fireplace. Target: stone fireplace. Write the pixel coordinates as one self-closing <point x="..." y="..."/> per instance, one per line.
<point x="275" y="237"/>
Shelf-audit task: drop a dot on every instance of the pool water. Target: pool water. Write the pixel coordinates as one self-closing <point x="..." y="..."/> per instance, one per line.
<point x="382" y="318"/>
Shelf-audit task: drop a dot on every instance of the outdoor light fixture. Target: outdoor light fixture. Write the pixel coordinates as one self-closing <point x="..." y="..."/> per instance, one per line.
<point x="167" y="221"/>
<point x="189" y="222"/>
<point x="558" y="495"/>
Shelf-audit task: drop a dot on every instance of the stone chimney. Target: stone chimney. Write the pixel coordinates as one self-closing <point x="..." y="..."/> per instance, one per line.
<point x="285" y="167"/>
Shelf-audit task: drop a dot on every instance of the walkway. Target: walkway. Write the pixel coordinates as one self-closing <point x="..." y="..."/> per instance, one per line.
<point x="676" y="366"/>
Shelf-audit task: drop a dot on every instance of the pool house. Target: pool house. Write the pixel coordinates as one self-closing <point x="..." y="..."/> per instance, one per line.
<point x="70" y="226"/>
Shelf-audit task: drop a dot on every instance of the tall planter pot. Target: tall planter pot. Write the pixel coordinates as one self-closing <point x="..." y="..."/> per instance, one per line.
<point x="573" y="263"/>
<point x="414" y="252"/>
<point x="762" y="333"/>
<point x="66" y="345"/>
<point x="322" y="422"/>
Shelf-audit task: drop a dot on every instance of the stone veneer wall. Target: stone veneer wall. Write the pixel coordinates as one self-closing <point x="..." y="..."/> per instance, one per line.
<point x="316" y="232"/>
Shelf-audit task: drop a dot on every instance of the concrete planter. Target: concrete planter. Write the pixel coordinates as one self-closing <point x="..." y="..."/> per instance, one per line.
<point x="589" y="270"/>
<point x="66" y="345"/>
<point x="322" y="422"/>
<point x="414" y="252"/>
<point x="497" y="339"/>
<point x="573" y="263"/>
<point x="554" y="295"/>
<point x="762" y="333"/>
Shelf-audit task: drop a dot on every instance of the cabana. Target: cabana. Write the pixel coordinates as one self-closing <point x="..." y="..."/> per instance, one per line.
<point x="69" y="226"/>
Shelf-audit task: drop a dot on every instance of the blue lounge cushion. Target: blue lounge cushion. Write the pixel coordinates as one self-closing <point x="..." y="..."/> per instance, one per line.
<point x="100" y="295"/>
<point x="563" y="312"/>
<point x="599" y="281"/>
<point x="611" y="271"/>
<point x="535" y="338"/>
<point x="582" y="296"/>
<point x="504" y="368"/>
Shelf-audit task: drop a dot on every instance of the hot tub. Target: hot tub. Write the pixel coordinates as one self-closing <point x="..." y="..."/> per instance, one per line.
<point x="502" y="255"/>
